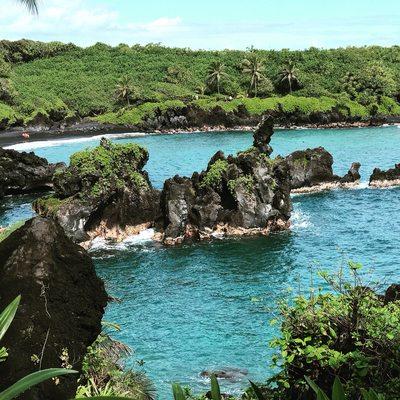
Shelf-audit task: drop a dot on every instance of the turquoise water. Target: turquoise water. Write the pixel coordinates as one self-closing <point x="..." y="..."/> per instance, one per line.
<point x="208" y="305"/>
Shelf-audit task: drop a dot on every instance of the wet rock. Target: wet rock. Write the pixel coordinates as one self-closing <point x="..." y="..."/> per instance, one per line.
<point x="392" y="293"/>
<point x="262" y="135"/>
<point x="104" y="192"/>
<point x="245" y="194"/>
<point x="311" y="170"/>
<point x="25" y="172"/>
<point x="231" y="374"/>
<point x="62" y="304"/>
<point x="380" y="178"/>
<point x="310" y="167"/>
<point x="353" y="175"/>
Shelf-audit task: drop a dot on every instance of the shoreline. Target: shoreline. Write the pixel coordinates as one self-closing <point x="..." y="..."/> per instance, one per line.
<point x="82" y="130"/>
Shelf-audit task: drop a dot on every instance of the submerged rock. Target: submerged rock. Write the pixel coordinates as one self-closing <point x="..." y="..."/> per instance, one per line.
<point x="104" y="192"/>
<point x="62" y="304"/>
<point x="229" y="373"/>
<point x="25" y="172"/>
<point x="311" y="170"/>
<point x="236" y="195"/>
<point x="388" y="178"/>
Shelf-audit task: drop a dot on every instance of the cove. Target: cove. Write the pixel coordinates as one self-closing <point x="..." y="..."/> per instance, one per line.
<point x="208" y="305"/>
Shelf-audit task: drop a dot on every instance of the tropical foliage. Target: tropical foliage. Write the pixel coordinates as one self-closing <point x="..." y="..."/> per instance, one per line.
<point x="351" y="333"/>
<point x="47" y="79"/>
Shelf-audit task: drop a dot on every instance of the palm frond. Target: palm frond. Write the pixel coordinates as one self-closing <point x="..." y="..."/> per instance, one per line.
<point x="31" y="5"/>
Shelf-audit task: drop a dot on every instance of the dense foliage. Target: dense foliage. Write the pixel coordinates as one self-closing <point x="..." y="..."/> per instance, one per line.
<point x="353" y="334"/>
<point x="54" y="81"/>
<point x="103" y="372"/>
<point x="94" y="172"/>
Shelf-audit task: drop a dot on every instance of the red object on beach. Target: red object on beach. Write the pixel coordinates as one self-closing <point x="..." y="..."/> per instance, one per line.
<point x="25" y="135"/>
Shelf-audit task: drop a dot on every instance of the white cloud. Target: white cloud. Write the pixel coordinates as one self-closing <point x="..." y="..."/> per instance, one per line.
<point x="75" y="21"/>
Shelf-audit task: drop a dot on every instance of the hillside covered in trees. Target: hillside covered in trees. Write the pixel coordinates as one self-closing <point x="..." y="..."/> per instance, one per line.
<point x="124" y="84"/>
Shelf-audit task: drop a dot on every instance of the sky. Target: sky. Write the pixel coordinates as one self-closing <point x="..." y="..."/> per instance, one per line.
<point x="207" y="24"/>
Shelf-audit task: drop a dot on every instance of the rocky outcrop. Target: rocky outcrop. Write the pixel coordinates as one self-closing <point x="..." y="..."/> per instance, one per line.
<point x="353" y="175"/>
<point x="229" y="373"/>
<point x="311" y="170"/>
<point x="388" y="178"/>
<point x="25" y="173"/>
<point x="236" y="195"/>
<point x="104" y="192"/>
<point x="62" y="304"/>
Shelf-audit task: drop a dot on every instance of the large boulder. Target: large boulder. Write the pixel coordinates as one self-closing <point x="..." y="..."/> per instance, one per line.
<point x="104" y="192"/>
<point x="311" y="170"/>
<point x="62" y="304"/>
<point x="25" y="172"/>
<point x="244" y="194"/>
<point x="380" y="178"/>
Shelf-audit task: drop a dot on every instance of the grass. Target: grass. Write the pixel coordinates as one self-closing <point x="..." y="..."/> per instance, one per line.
<point x="4" y="234"/>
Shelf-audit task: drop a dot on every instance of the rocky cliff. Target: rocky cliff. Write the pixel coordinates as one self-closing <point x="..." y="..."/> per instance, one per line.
<point x="104" y="192"/>
<point x="25" y="173"/>
<point x="62" y="304"/>
<point x="236" y="195"/>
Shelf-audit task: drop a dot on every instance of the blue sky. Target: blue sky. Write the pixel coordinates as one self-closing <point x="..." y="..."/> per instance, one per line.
<point x="208" y="24"/>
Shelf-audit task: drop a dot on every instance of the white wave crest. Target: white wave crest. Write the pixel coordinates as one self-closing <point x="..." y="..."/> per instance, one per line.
<point x="29" y="146"/>
<point x="300" y="220"/>
<point x="145" y="236"/>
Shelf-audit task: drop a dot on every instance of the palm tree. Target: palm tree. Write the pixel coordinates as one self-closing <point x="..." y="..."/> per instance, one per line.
<point x="216" y="72"/>
<point x="288" y="75"/>
<point x="32" y="5"/>
<point x="125" y="90"/>
<point x="254" y="67"/>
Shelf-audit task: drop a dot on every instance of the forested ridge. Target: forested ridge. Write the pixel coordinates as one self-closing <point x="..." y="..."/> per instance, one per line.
<point x="123" y="83"/>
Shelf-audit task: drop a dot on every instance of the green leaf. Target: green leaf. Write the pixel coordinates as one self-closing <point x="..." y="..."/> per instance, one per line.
<point x="215" y="390"/>
<point x="257" y="391"/>
<point x="7" y="316"/>
<point x="320" y="394"/>
<point x="31" y="380"/>
<point x="354" y="265"/>
<point x="178" y="392"/>
<point x="337" y="390"/>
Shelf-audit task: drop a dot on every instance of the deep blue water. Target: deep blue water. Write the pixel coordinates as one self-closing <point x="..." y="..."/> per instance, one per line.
<point x="208" y="305"/>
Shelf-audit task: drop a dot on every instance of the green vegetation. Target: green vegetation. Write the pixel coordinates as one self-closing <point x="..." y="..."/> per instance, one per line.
<point x="104" y="167"/>
<point x="59" y="81"/>
<point x="103" y="372"/>
<point x="214" y="174"/>
<point x="246" y="180"/>
<point x="338" y="392"/>
<point x="49" y="203"/>
<point x="353" y="334"/>
<point x="5" y="232"/>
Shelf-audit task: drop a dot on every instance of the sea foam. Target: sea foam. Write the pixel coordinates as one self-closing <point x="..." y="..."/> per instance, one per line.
<point x="28" y="146"/>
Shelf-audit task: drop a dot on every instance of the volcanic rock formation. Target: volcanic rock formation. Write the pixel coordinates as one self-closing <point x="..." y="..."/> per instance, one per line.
<point x="62" y="304"/>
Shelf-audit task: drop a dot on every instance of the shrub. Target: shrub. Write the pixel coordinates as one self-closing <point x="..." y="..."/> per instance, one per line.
<point x="103" y="372"/>
<point x="214" y="174"/>
<point x="353" y="334"/>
